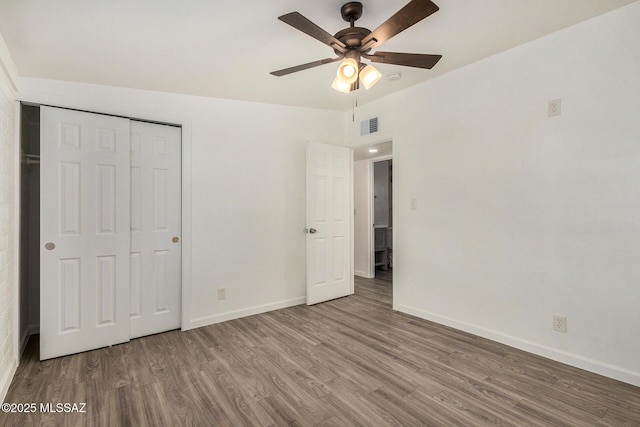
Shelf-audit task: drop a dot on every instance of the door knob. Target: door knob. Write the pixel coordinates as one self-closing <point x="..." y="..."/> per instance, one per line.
<point x="175" y="239"/>
<point x="49" y="246"/>
<point x="312" y="230"/>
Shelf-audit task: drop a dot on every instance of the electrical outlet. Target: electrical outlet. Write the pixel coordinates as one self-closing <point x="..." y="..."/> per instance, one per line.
<point x="554" y="108"/>
<point x="560" y="324"/>
<point x="222" y="293"/>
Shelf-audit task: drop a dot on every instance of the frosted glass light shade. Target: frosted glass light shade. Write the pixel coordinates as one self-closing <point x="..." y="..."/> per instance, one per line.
<point x="341" y="86"/>
<point x="348" y="71"/>
<point x="369" y="76"/>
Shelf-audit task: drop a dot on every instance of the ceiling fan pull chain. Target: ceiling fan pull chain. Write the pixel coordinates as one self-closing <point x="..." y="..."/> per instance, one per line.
<point x="354" y="106"/>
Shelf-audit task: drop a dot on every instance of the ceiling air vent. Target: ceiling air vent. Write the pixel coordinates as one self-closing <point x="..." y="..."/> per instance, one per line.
<point x="369" y="126"/>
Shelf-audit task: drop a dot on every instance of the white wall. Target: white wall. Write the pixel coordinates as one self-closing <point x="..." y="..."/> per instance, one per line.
<point x="362" y="220"/>
<point x="8" y="200"/>
<point x="247" y="193"/>
<point x="521" y="216"/>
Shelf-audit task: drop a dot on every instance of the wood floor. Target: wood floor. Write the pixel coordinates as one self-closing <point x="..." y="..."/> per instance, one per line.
<point x="352" y="361"/>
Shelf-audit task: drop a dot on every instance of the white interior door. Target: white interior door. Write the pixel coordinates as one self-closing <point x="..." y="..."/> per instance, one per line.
<point x="155" y="228"/>
<point x="329" y="222"/>
<point x="84" y="231"/>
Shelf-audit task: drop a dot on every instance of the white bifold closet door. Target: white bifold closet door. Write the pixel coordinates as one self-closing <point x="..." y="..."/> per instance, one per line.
<point x="155" y="294"/>
<point x="84" y="231"/>
<point x="110" y="230"/>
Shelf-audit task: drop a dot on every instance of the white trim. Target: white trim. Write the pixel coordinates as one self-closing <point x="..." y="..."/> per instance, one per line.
<point x="561" y="356"/>
<point x="371" y="217"/>
<point x="244" y="312"/>
<point x="380" y="159"/>
<point x="362" y="274"/>
<point x="352" y="230"/>
<point x="186" y="224"/>
<point x="17" y="271"/>
<point x="395" y="236"/>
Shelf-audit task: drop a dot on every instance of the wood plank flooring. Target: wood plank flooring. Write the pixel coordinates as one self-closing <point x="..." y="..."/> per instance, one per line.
<point x="351" y="361"/>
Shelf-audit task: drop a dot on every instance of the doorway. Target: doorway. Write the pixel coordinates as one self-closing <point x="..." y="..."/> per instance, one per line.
<point x="373" y="211"/>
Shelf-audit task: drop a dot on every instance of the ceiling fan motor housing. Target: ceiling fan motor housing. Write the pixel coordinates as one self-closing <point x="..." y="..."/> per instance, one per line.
<point x="351" y="11"/>
<point x="352" y="37"/>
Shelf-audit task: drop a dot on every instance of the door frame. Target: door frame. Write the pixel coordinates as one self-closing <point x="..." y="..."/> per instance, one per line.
<point x="133" y="113"/>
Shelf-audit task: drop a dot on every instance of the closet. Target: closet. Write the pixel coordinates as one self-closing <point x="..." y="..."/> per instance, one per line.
<point x="109" y="240"/>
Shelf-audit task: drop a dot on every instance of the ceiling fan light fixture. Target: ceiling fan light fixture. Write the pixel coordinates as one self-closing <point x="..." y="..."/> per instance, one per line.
<point x="353" y="43"/>
<point x="341" y="86"/>
<point x="348" y="71"/>
<point x="369" y="76"/>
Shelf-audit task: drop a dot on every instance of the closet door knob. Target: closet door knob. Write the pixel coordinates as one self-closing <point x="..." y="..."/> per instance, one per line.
<point x="49" y="246"/>
<point x="175" y="239"/>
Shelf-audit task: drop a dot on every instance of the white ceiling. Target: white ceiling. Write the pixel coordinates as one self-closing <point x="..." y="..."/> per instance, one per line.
<point x="364" y="152"/>
<point x="226" y="48"/>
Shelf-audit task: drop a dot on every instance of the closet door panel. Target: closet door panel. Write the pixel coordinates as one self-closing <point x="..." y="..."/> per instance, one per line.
<point x="156" y="228"/>
<point x="85" y="229"/>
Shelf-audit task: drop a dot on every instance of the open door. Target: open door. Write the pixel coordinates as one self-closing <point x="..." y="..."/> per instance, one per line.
<point x="329" y="222"/>
<point x="84" y="231"/>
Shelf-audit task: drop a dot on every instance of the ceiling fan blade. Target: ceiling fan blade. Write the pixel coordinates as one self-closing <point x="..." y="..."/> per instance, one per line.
<point x="301" y="23"/>
<point x="306" y="66"/>
<point x="413" y="12"/>
<point x="417" y="60"/>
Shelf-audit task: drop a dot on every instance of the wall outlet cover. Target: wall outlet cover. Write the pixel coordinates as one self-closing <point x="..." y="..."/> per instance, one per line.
<point x="560" y="324"/>
<point x="554" y="107"/>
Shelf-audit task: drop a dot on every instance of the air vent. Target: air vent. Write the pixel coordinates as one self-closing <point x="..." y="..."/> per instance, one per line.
<point x="369" y="126"/>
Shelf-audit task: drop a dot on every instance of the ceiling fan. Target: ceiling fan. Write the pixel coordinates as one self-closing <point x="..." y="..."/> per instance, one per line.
<point x="354" y="43"/>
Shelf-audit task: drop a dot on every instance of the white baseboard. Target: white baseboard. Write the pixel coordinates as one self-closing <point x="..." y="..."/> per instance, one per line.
<point x="591" y="365"/>
<point x="236" y="314"/>
<point x="363" y="274"/>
